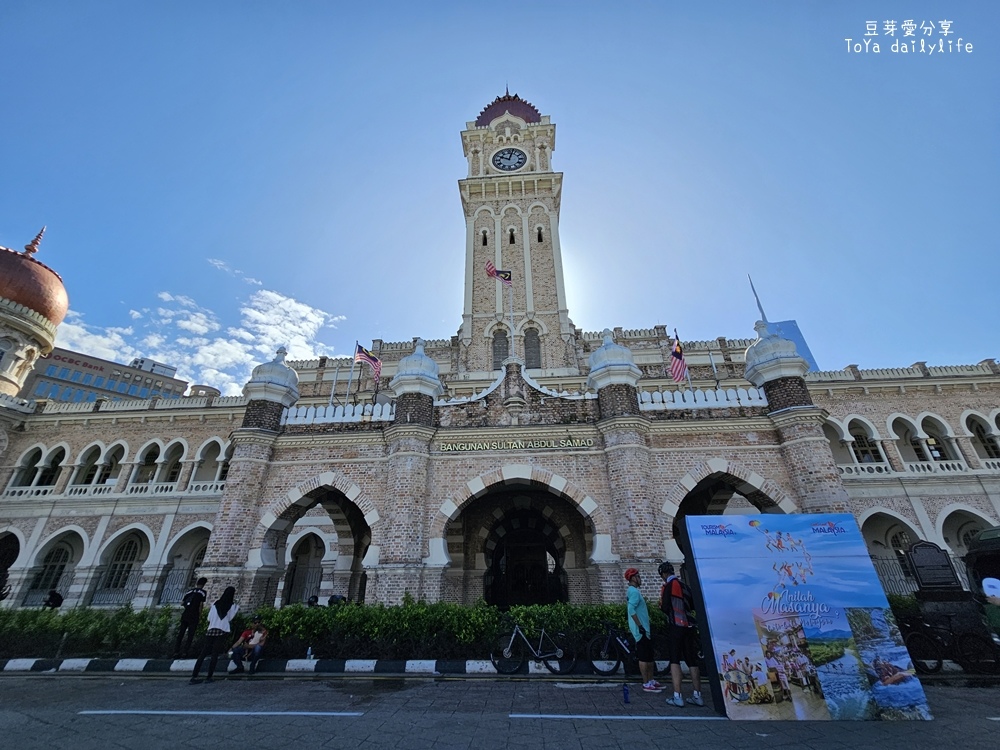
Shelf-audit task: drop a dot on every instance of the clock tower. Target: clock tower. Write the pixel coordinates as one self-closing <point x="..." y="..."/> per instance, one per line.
<point x="511" y="202"/>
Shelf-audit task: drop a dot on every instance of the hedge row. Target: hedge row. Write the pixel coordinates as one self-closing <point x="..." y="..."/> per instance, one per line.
<point x="414" y="630"/>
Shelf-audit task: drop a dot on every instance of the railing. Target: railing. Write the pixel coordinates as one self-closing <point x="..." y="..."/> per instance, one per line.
<point x="175" y="584"/>
<point x="90" y="490"/>
<point x="897" y="578"/>
<point x="857" y="470"/>
<point x="38" y="590"/>
<point x="991" y="463"/>
<point x="29" y="491"/>
<point x="698" y="398"/>
<point x="206" y="488"/>
<point x="936" y="467"/>
<point x="115" y="588"/>
<point x="339" y="414"/>
<point x="152" y="488"/>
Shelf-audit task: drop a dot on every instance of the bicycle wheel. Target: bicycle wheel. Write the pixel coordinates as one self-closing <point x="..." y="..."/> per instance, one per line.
<point x="563" y="660"/>
<point x="508" y="656"/>
<point x="925" y="653"/>
<point x="603" y="655"/>
<point x="977" y="654"/>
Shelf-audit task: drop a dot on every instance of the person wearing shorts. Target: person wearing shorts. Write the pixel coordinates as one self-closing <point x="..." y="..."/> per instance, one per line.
<point x="638" y="623"/>
<point x="682" y="637"/>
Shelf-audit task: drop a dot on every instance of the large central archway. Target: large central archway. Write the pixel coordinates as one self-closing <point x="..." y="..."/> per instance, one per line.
<point x="520" y="544"/>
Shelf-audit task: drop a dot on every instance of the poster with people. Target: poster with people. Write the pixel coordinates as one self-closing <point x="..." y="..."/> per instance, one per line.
<point x="799" y="622"/>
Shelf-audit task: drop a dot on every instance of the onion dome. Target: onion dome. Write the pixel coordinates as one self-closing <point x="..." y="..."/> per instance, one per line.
<point x="612" y="363"/>
<point x="508" y="103"/>
<point x="273" y="381"/>
<point x="771" y="357"/>
<point x="417" y="373"/>
<point x="24" y="281"/>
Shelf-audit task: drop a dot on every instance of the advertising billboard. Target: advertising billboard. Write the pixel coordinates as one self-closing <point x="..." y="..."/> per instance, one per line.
<point x="798" y="621"/>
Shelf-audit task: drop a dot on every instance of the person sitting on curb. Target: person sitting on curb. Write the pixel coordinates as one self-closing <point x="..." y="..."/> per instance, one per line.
<point x="250" y="645"/>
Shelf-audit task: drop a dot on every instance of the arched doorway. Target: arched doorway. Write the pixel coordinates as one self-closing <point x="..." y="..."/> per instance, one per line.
<point x="521" y="544"/>
<point x="10" y="548"/>
<point x="330" y="538"/>
<point x="719" y="494"/>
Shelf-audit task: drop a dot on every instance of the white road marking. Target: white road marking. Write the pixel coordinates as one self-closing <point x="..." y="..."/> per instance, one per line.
<point x="140" y="712"/>
<point x="600" y="717"/>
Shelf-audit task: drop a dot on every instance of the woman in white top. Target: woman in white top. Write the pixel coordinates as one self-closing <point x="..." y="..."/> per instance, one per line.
<point x="220" y="615"/>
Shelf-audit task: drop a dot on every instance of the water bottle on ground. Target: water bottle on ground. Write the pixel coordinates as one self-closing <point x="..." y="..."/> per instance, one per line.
<point x="309" y="652"/>
<point x="625" y="691"/>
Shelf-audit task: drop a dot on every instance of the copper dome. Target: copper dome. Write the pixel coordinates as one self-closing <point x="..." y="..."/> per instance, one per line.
<point x="36" y="286"/>
<point x="508" y="103"/>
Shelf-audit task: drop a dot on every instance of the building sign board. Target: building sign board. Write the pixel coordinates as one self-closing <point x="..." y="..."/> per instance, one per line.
<point x="798" y="622"/>
<point x="932" y="566"/>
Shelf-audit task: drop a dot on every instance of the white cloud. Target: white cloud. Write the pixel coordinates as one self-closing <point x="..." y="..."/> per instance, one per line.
<point x="134" y="314"/>
<point x="250" y="280"/>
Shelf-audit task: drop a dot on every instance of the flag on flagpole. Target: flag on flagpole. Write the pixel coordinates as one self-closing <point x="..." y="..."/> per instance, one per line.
<point x="363" y="355"/>
<point x="678" y="367"/>
<point x="494" y="273"/>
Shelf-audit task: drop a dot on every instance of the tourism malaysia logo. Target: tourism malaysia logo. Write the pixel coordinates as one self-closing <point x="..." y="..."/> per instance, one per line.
<point x="828" y="527"/>
<point x="718" y="529"/>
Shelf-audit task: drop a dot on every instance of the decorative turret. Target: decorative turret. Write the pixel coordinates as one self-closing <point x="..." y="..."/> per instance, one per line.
<point x="772" y="363"/>
<point x="416" y="384"/>
<point x="273" y="386"/>
<point x="33" y="302"/>
<point x="614" y="376"/>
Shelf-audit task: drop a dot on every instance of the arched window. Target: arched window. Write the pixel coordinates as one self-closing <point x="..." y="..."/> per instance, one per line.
<point x="539" y="234"/>
<point x="865" y="449"/>
<point x="146" y="469"/>
<point x="50" y="472"/>
<point x="511" y="241"/>
<point x="5" y="346"/>
<point x="196" y="563"/>
<point x="112" y="466"/>
<point x="485" y="242"/>
<point x="501" y="349"/>
<point x="532" y="349"/>
<point x="122" y="564"/>
<point x="25" y="475"/>
<point x="985" y="445"/>
<point x="53" y="567"/>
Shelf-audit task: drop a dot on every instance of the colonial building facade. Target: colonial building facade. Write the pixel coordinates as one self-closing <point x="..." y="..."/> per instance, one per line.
<point x="522" y="460"/>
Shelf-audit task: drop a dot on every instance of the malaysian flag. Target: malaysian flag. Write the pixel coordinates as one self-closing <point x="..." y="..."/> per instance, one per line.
<point x="363" y="355"/>
<point x="678" y="367"/>
<point x="494" y="273"/>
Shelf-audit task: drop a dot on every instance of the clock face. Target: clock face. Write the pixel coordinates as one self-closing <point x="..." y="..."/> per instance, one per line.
<point x="509" y="159"/>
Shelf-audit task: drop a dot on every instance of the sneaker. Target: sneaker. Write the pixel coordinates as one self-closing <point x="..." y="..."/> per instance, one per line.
<point x="652" y="687"/>
<point x="194" y="681"/>
<point x="660" y="685"/>
<point x="676" y="700"/>
<point x="696" y="700"/>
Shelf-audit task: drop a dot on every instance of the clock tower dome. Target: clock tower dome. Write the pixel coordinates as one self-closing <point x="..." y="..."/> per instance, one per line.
<point x="511" y="202"/>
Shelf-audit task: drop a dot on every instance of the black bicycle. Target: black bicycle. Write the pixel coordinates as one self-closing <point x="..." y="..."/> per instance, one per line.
<point x="930" y="645"/>
<point x="609" y="649"/>
<point x="512" y="649"/>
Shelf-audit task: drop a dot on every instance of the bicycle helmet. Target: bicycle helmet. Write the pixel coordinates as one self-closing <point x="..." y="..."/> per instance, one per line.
<point x="631" y="572"/>
<point x="665" y="569"/>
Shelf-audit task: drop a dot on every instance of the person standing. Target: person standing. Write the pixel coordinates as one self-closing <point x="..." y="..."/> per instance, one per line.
<point x="220" y="617"/>
<point x="190" y="616"/>
<point x="638" y="623"/>
<point x="682" y="637"/>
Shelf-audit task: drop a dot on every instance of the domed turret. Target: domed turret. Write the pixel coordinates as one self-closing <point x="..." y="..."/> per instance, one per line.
<point x="612" y="364"/>
<point x="508" y="103"/>
<point x="273" y="381"/>
<point x="417" y="373"/>
<point x="771" y="357"/>
<point x="33" y="302"/>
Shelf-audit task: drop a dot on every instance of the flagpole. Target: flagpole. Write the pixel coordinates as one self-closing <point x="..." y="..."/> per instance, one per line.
<point x="714" y="371"/>
<point x="347" y="394"/>
<point x="333" y="390"/>
<point x="511" y="287"/>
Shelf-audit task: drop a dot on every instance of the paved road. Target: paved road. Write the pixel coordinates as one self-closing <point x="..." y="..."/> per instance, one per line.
<point x="68" y="711"/>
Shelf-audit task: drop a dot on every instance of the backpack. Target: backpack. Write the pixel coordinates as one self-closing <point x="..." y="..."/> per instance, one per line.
<point x="666" y="603"/>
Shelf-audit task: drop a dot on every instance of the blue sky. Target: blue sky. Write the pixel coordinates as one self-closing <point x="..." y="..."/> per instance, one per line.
<point x="221" y="177"/>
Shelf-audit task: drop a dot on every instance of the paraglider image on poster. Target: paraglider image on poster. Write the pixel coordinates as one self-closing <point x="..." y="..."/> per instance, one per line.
<point x="799" y="622"/>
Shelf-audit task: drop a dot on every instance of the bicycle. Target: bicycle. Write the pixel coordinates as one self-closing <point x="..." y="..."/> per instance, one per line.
<point x="932" y="644"/>
<point x="509" y="654"/>
<point x="609" y="649"/>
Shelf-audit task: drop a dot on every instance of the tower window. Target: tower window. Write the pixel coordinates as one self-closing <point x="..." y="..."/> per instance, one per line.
<point x="484" y="238"/>
<point x="532" y="349"/>
<point x="539" y="234"/>
<point x="511" y="236"/>
<point x="501" y="349"/>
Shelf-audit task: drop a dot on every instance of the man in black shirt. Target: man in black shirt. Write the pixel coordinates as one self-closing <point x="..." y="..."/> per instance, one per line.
<point x="190" y="616"/>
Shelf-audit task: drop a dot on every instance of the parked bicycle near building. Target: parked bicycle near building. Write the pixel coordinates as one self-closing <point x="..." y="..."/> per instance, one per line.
<point x="514" y="647"/>
<point x="930" y="645"/>
<point x="608" y="650"/>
